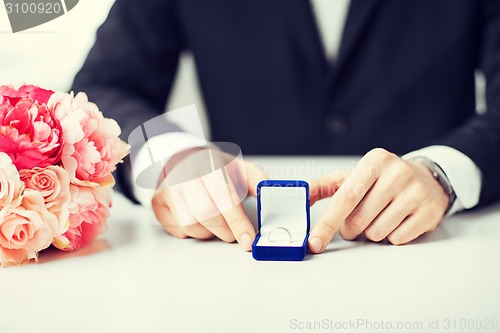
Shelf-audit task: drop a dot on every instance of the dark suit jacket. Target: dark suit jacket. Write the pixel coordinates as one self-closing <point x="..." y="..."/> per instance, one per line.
<point x="404" y="77"/>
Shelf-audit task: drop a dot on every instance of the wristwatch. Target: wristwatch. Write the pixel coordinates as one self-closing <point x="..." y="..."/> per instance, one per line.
<point x="440" y="177"/>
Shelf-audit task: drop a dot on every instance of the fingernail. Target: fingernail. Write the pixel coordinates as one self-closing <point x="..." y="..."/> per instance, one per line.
<point x="315" y="245"/>
<point x="246" y="241"/>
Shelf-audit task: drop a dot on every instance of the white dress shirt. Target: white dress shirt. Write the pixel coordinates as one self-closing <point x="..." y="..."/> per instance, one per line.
<point x="462" y="172"/>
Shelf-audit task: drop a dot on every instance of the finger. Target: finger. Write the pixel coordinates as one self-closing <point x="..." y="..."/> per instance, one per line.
<point x="223" y="192"/>
<point x="255" y="174"/>
<point x="343" y="202"/>
<point x="234" y="171"/>
<point x="388" y="220"/>
<point x="391" y="217"/>
<point x="208" y="190"/>
<point x="205" y="212"/>
<point x="374" y="202"/>
<point x="198" y="200"/>
<point x="176" y="202"/>
<point x="171" y="223"/>
<point x="217" y="225"/>
<point x="197" y="231"/>
<point x="326" y="186"/>
<point x="167" y="219"/>
<point x="241" y="226"/>
<point x="387" y="188"/>
<point x="413" y="226"/>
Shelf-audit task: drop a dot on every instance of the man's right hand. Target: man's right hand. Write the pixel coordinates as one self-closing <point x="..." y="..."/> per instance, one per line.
<point x="200" y="193"/>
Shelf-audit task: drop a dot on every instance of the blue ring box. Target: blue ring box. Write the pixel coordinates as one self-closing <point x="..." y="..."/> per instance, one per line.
<point x="284" y="220"/>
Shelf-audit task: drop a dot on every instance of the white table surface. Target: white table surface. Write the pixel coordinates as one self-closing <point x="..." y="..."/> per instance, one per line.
<point x="136" y="278"/>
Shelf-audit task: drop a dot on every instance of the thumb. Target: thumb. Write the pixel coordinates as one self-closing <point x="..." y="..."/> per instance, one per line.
<point x="326" y="186"/>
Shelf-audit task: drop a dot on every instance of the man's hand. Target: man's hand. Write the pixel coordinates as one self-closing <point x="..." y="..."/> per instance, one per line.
<point x="200" y="196"/>
<point x="382" y="197"/>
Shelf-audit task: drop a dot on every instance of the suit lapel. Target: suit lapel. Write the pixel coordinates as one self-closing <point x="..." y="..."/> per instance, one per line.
<point x="306" y="40"/>
<point x="304" y="36"/>
<point x="359" y="16"/>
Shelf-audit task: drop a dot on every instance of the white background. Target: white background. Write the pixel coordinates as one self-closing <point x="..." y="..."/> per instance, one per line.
<point x="50" y="55"/>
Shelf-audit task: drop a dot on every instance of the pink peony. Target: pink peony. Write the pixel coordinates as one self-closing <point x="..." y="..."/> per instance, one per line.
<point x="29" y="133"/>
<point x="25" y="229"/>
<point x="26" y="92"/>
<point x="53" y="184"/>
<point x="89" y="210"/>
<point x="57" y="153"/>
<point x="91" y="147"/>
<point x="10" y="184"/>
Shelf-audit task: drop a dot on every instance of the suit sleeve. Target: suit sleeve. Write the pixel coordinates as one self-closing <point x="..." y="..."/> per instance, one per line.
<point x="130" y="69"/>
<point x="479" y="139"/>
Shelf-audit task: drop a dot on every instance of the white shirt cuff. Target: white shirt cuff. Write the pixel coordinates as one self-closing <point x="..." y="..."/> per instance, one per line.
<point x="168" y="144"/>
<point x="464" y="175"/>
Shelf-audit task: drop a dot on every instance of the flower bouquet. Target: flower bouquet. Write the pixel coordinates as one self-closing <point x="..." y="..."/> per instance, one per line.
<point x="57" y="152"/>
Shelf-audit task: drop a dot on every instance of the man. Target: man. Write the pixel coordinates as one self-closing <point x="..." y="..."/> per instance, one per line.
<point x="381" y="77"/>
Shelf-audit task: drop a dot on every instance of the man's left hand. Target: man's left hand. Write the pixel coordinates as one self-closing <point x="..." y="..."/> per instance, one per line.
<point x="383" y="196"/>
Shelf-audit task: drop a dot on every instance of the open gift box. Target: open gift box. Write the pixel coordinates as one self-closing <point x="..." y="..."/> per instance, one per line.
<point x="283" y="220"/>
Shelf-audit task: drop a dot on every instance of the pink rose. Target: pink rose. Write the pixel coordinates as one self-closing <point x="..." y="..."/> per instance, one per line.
<point x="10" y="184"/>
<point x="25" y="229"/>
<point x="26" y="92"/>
<point x="29" y="133"/>
<point x="91" y="147"/>
<point x="89" y="210"/>
<point x="52" y="183"/>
